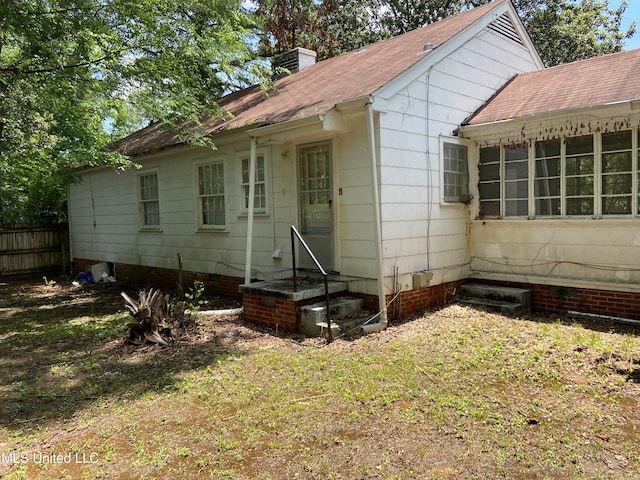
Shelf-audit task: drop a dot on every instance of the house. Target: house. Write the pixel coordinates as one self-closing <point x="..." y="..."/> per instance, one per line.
<point x="556" y="181"/>
<point x="397" y="163"/>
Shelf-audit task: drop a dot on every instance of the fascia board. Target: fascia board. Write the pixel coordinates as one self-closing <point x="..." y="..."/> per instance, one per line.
<point x="624" y="107"/>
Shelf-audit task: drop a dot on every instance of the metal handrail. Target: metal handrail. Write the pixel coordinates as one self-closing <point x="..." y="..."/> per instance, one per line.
<point x="294" y="234"/>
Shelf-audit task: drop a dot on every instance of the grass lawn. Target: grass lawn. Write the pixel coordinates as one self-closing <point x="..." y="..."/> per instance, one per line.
<point x="456" y="393"/>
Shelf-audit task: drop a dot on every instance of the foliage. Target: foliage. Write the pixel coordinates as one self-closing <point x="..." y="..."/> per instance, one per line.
<point x="562" y="30"/>
<point x="194" y="296"/>
<point x="328" y="27"/>
<point x="505" y="397"/>
<point x="70" y="69"/>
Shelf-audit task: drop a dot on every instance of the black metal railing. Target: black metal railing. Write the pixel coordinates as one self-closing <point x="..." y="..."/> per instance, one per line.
<point x="294" y="234"/>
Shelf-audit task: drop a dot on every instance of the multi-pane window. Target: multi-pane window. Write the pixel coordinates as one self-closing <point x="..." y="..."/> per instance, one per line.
<point x="489" y="184"/>
<point x="456" y="173"/>
<point x="617" y="173"/>
<point x="211" y="202"/>
<point x="580" y="169"/>
<point x="260" y="195"/>
<point x="516" y="183"/>
<point x="588" y="175"/>
<point x="149" y="200"/>
<point x="547" y="183"/>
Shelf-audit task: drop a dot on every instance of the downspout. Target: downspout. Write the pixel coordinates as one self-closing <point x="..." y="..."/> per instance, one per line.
<point x="382" y="304"/>
<point x="252" y="189"/>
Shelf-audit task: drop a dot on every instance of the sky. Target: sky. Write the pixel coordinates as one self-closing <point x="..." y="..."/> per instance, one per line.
<point x="632" y="13"/>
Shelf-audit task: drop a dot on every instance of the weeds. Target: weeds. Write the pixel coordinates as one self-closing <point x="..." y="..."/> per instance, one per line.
<point x="456" y="394"/>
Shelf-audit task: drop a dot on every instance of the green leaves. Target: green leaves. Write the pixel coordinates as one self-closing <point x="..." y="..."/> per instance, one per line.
<point x="565" y="31"/>
<point x="77" y="74"/>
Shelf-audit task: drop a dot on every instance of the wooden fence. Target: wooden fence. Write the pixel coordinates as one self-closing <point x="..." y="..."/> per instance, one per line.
<point x="32" y="250"/>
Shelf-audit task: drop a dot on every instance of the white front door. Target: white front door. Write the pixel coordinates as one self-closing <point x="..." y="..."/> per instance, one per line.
<point x="315" y="203"/>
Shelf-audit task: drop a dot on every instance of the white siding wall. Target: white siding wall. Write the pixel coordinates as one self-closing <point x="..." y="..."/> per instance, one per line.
<point x="109" y="230"/>
<point x="356" y="246"/>
<point x="587" y="253"/>
<point x="584" y="252"/>
<point x="420" y="232"/>
<point x="110" y="201"/>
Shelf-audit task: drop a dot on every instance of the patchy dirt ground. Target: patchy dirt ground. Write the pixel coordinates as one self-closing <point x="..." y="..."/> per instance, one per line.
<point x="455" y="393"/>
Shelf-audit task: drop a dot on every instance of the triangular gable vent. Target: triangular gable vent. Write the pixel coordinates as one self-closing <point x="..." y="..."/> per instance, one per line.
<point x="505" y="27"/>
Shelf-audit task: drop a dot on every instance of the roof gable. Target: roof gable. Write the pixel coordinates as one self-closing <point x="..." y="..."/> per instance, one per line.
<point x="596" y="81"/>
<point x="318" y="88"/>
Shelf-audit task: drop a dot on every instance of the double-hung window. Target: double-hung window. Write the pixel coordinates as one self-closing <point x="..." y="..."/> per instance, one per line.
<point x="149" y="199"/>
<point x="211" y="199"/>
<point x="456" y="172"/>
<point x="260" y="194"/>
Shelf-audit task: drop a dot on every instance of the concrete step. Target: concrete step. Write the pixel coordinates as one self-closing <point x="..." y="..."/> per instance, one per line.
<point x="490" y="294"/>
<point x="507" y="308"/>
<point x="344" y="313"/>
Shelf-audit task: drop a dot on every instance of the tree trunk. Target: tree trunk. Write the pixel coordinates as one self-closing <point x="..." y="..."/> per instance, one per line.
<point x="151" y="313"/>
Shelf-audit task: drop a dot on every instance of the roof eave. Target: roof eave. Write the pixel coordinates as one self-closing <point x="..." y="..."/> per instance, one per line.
<point x="480" y="128"/>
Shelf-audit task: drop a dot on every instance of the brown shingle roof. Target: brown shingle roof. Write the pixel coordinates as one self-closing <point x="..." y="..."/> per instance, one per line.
<point x="318" y="88"/>
<point x="596" y="81"/>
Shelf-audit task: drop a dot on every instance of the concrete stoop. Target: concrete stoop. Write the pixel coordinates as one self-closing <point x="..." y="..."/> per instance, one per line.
<point x="507" y="300"/>
<point x="343" y="312"/>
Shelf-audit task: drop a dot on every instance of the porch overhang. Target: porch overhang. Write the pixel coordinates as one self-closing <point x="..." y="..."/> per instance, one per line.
<point x="333" y="121"/>
<point x="613" y="109"/>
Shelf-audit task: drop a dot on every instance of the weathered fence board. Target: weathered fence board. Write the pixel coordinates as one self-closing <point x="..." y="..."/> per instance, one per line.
<point x="30" y="250"/>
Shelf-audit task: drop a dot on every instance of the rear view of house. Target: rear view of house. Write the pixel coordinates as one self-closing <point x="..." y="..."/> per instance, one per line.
<point x="393" y="163"/>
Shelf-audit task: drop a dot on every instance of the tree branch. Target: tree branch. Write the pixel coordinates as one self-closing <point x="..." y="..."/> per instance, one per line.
<point x="53" y="69"/>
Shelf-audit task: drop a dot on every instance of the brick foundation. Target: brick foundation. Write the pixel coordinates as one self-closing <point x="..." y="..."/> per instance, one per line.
<point x="560" y="300"/>
<point x="276" y="312"/>
<point x="166" y="278"/>
<point x="416" y="301"/>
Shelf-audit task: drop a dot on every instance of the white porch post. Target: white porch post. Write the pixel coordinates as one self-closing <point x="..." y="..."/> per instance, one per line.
<point x="377" y="230"/>
<point x="252" y="189"/>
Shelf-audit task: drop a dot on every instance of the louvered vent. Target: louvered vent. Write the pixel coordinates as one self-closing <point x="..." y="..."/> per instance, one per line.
<point x="504" y="26"/>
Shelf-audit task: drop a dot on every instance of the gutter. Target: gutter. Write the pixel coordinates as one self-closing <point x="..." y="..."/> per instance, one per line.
<point x="382" y="304"/>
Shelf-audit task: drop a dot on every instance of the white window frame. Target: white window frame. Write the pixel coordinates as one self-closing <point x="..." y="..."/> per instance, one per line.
<point x="465" y="197"/>
<point x="200" y="225"/>
<point x="142" y="216"/>
<point x="243" y="187"/>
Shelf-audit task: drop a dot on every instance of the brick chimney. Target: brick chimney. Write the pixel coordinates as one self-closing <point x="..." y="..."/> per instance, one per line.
<point x="293" y="60"/>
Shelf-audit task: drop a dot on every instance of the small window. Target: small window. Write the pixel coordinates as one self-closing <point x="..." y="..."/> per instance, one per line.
<point x="489" y="184"/>
<point x="260" y="195"/>
<point x="579" y="175"/>
<point x="547" y="178"/>
<point x="211" y="201"/>
<point x="516" y="180"/>
<point x="149" y="200"/>
<point x="456" y="173"/>
<point x="617" y="173"/>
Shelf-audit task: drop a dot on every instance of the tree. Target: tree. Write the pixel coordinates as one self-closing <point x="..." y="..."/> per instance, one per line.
<point x="71" y="68"/>
<point x="401" y="16"/>
<point x="328" y="27"/>
<point x="562" y="30"/>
